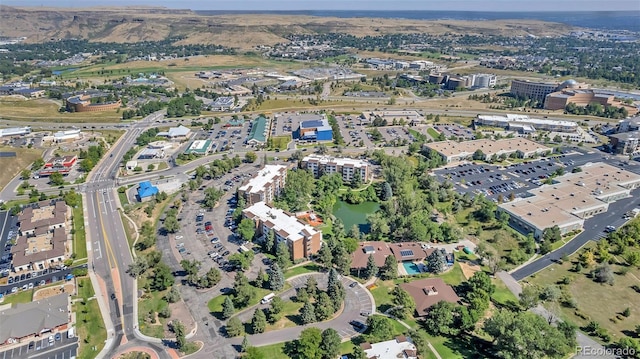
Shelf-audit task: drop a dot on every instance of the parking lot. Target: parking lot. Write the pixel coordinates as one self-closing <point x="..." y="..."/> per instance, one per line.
<point x="61" y="347"/>
<point x="455" y="130"/>
<point x="8" y="232"/>
<point x="515" y="180"/>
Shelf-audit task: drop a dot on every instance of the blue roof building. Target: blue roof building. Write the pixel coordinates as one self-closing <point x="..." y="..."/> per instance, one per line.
<point x="146" y="190"/>
<point x="314" y="130"/>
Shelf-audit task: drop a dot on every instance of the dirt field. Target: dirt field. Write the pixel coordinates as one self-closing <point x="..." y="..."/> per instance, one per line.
<point x="20" y="109"/>
<point x="11" y="166"/>
<point x="469" y="269"/>
<point x="69" y="287"/>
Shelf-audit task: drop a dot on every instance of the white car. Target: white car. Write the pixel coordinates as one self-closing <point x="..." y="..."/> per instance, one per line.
<point x="14" y="289"/>
<point x="179" y="237"/>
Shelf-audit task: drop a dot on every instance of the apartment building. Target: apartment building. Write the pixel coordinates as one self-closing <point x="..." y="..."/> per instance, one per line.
<point x="302" y="239"/>
<point x="265" y="185"/>
<point x="346" y="167"/>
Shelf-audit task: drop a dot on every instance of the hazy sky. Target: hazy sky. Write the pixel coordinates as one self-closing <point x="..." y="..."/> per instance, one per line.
<point x="470" y="5"/>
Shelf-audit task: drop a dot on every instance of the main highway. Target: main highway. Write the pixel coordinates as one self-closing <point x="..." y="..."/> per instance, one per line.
<point x="110" y="255"/>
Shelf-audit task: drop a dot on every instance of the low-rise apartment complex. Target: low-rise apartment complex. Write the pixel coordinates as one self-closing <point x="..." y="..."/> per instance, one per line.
<point x="302" y="239"/>
<point x="452" y="151"/>
<point x="627" y="143"/>
<point x="348" y="168"/>
<point x="571" y="199"/>
<point x="264" y="186"/>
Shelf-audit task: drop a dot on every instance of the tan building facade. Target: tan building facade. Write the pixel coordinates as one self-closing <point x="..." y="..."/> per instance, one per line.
<point x="265" y="185"/>
<point x="302" y="239"/>
<point x="452" y="151"/>
<point x="346" y="167"/>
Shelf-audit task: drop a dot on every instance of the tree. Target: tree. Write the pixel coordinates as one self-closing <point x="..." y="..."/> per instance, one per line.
<point x="308" y="345"/>
<point x="138" y="267"/>
<point x="211" y="197"/>
<point x="359" y="353"/>
<point x="390" y="268"/>
<point x="436" y="262"/>
<point x="604" y="274"/>
<point x="371" y="268"/>
<point x="478" y="155"/>
<point x="283" y="256"/>
<point x="258" y="322"/>
<point x="325" y="256"/>
<point x="247" y="229"/>
<point x="227" y="308"/>
<point x="404" y="303"/>
<point x="243" y="293"/>
<point x="173" y="295"/>
<point x="163" y="278"/>
<point x="529" y="297"/>
<point x="250" y="157"/>
<point x="234" y="327"/>
<point x="307" y="313"/>
<point x="275" y="309"/>
<point x="441" y="320"/>
<point x="525" y="334"/>
<point x="276" y="278"/>
<point x="239" y="260"/>
<point x="380" y="328"/>
<point x="245" y="344"/>
<point x="330" y="343"/>
<point x="56" y="179"/>
<point x="324" y="307"/>
<point x="480" y="281"/>
<point x="311" y="286"/>
<point x="191" y="270"/>
<point x="171" y="224"/>
<point x="552" y="234"/>
<point x="178" y="329"/>
<point x="210" y="279"/>
<point x="25" y="174"/>
<point x="270" y="242"/>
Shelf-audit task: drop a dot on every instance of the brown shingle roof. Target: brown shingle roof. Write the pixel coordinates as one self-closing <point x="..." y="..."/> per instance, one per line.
<point x="427" y="292"/>
<point x="381" y="250"/>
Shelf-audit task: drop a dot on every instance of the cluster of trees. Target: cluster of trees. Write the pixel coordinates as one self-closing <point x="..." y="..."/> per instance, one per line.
<point x="279" y="250"/>
<point x="338" y="140"/>
<point x="191" y="268"/>
<point x="596" y="109"/>
<point x="158" y="274"/>
<point x="144" y="109"/>
<point x="320" y="305"/>
<point x="185" y="105"/>
<point x="90" y="157"/>
<point x="315" y="344"/>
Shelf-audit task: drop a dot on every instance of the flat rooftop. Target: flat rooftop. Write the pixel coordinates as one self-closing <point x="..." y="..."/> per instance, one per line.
<point x="285" y="224"/>
<point x="340" y="161"/>
<point x="511" y="118"/>
<point x="452" y="148"/>
<point x="264" y="177"/>
<point x="199" y="146"/>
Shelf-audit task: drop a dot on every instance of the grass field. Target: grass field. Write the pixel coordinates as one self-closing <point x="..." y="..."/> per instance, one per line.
<point x="433" y="133"/>
<point x="280" y="142"/>
<point x="12" y="166"/>
<point x="128" y="230"/>
<point x="307" y="268"/>
<point x="215" y="304"/>
<point x="79" y="236"/>
<point x="89" y="325"/>
<point x="23" y="296"/>
<point x="47" y="111"/>
<point x="153" y="302"/>
<point x="596" y="302"/>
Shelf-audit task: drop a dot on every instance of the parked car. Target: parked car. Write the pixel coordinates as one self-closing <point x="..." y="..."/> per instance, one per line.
<point x="358" y="325"/>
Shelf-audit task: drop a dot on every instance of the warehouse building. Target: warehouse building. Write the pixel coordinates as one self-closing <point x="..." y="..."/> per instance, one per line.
<point x="452" y="151"/>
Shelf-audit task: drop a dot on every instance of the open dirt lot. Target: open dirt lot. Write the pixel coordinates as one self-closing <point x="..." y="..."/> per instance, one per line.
<point x="11" y="166"/>
<point x="469" y="269"/>
<point x="69" y="287"/>
<point x="20" y="109"/>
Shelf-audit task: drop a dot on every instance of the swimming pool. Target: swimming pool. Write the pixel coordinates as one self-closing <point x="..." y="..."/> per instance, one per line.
<point x="411" y="268"/>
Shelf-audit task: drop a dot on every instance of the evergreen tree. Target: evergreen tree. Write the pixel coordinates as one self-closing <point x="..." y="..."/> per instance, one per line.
<point x="283" y="256"/>
<point x="269" y="242"/>
<point x="371" y="269"/>
<point x="330" y="344"/>
<point x="276" y="278"/>
<point x="311" y="286"/>
<point x="234" y="327"/>
<point x="227" y="308"/>
<point x="258" y="322"/>
<point x="390" y="268"/>
<point x="307" y="314"/>
<point x="245" y="344"/>
<point x="324" y="307"/>
<point x="325" y="256"/>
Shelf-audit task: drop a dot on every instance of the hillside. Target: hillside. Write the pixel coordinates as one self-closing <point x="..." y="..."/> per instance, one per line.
<point x="134" y="24"/>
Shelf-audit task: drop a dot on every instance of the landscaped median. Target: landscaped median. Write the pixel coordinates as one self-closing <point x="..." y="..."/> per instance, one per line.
<point x="89" y="323"/>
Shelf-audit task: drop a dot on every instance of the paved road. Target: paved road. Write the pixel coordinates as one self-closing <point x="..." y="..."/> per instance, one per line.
<point x="109" y="250"/>
<point x="593" y="230"/>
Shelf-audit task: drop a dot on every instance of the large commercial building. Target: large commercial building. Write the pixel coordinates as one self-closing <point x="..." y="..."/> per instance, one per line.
<point x="265" y="185"/>
<point x="15" y="131"/>
<point x="302" y="239"/>
<point x="571" y="199"/>
<point x="199" y="147"/>
<point x="525" y="124"/>
<point x="560" y="99"/>
<point x="314" y="130"/>
<point x="82" y="103"/>
<point x="452" y="151"/>
<point x="539" y="90"/>
<point x="346" y="167"/>
<point x="176" y="133"/>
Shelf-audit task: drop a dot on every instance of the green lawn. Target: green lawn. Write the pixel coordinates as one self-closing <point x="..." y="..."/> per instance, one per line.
<point x="274" y="351"/>
<point x="280" y="142"/>
<point x="89" y="324"/>
<point x="21" y="297"/>
<point x="154" y="302"/>
<point x="502" y="295"/>
<point x="595" y="302"/>
<point x="123" y="197"/>
<point x="454" y="276"/>
<point x="79" y="235"/>
<point x="382" y="294"/>
<point x="128" y="230"/>
<point x="432" y="132"/>
<point x="215" y="304"/>
<point x="307" y="268"/>
<point x="444" y="347"/>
